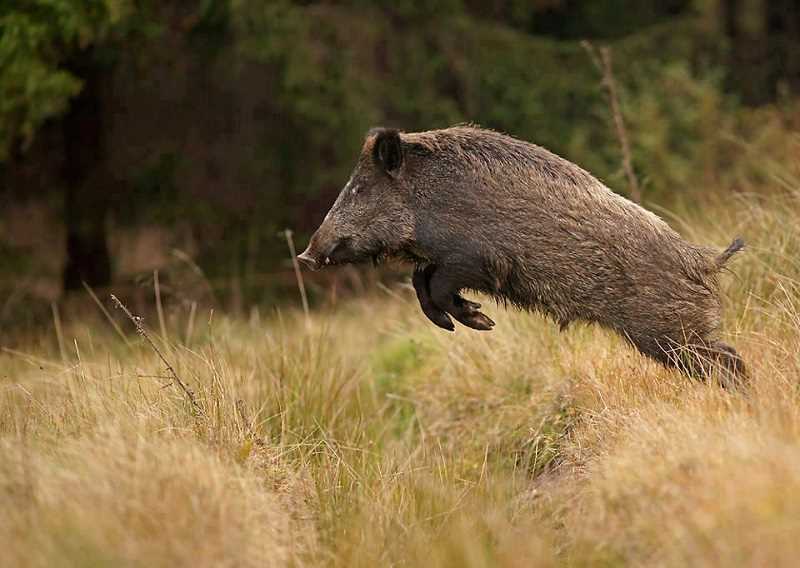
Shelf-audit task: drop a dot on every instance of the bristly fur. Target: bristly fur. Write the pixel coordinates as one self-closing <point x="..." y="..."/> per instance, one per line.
<point x="480" y="210"/>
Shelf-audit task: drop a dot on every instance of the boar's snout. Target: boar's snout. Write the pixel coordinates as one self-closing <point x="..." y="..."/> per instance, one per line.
<point x="306" y="258"/>
<point x="316" y="256"/>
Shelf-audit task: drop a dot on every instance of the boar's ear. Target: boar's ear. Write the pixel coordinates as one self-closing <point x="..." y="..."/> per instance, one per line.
<point x="388" y="151"/>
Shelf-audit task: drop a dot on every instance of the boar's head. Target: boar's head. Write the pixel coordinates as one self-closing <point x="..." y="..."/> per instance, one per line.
<point x="372" y="218"/>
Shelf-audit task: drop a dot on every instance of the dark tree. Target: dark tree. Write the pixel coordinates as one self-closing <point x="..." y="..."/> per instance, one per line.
<point x="86" y="195"/>
<point x="764" y="56"/>
<point x="782" y="37"/>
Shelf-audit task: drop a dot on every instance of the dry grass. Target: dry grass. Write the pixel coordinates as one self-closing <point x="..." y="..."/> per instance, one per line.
<point x="370" y="438"/>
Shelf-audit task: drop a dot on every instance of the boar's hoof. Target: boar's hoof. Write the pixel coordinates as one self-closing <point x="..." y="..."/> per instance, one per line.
<point x="478" y="321"/>
<point x="465" y="311"/>
<point x="439" y="317"/>
<point x="420" y="280"/>
<point x="469" y="314"/>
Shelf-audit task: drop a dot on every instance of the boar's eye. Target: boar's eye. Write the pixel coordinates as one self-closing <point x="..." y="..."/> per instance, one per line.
<point x="355" y="188"/>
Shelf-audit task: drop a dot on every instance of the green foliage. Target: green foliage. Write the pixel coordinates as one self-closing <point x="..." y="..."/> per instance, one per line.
<point x="395" y="360"/>
<point x="316" y="97"/>
<point x="394" y="364"/>
<point x="292" y="86"/>
<point x="673" y="116"/>
<point x="36" y="38"/>
<point x="414" y="65"/>
<point x="422" y="67"/>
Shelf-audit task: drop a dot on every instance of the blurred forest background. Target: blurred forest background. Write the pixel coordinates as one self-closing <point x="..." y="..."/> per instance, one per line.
<point x="185" y="136"/>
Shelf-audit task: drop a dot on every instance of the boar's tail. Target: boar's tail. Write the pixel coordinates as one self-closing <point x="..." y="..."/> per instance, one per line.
<point x="725" y="256"/>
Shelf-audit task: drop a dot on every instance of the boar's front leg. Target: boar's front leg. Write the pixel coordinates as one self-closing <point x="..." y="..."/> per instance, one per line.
<point x="421" y="280"/>
<point x="444" y="285"/>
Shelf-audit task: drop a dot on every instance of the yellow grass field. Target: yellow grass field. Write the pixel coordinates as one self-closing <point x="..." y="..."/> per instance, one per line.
<point x="368" y="437"/>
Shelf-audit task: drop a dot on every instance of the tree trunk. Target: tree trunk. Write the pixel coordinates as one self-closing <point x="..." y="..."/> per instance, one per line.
<point x="85" y="201"/>
<point x="782" y="37"/>
<point x="740" y="56"/>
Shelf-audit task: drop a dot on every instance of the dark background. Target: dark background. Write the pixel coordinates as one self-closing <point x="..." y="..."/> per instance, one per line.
<point x="184" y="137"/>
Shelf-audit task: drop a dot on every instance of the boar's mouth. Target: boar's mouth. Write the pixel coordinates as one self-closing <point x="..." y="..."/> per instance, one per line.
<point x="342" y="252"/>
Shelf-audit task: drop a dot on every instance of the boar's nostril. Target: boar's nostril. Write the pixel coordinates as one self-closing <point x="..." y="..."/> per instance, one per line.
<point x="308" y="260"/>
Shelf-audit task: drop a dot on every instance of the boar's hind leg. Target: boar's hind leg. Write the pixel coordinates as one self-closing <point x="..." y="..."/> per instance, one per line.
<point x="698" y="358"/>
<point x="444" y="288"/>
<point x="708" y="359"/>
<point x="421" y="280"/>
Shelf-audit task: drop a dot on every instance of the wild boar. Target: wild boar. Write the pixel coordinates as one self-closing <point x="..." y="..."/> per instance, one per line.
<point x="475" y="209"/>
